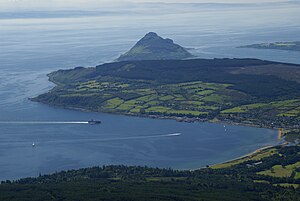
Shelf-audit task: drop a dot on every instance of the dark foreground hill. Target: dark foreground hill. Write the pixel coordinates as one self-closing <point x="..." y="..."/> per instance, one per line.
<point x="247" y="180"/>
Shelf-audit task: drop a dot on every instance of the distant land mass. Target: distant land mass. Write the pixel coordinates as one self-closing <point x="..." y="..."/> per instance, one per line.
<point x="243" y="91"/>
<point x="290" y="46"/>
<point x="154" y="47"/>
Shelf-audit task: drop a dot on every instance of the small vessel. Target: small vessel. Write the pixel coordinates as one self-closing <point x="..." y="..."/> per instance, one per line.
<point x="94" y="122"/>
<point x="33" y="145"/>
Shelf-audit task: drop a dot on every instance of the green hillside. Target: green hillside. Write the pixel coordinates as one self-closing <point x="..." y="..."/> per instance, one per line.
<point x="233" y="90"/>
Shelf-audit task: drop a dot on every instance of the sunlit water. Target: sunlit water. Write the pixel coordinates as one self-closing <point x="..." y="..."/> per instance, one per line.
<point x="31" y="48"/>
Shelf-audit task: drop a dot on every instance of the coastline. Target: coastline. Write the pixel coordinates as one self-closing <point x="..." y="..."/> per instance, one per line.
<point x="257" y="151"/>
<point x="176" y="118"/>
<point x="280" y="131"/>
<point x="181" y="119"/>
<point x="245" y="156"/>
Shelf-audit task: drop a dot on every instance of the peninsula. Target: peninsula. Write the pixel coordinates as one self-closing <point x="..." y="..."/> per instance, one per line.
<point x="243" y="91"/>
<point x="289" y="46"/>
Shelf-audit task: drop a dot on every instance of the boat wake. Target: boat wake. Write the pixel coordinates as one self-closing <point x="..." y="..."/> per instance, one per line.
<point x="44" y="122"/>
<point x="115" y="139"/>
<point x="72" y="141"/>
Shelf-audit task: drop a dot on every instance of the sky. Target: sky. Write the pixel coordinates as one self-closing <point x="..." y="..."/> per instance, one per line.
<point x="28" y="4"/>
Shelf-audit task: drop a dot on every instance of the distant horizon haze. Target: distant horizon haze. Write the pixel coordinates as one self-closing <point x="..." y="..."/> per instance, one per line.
<point x="96" y="4"/>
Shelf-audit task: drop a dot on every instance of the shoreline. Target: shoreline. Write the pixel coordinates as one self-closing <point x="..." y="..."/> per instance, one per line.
<point x="185" y="120"/>
<point x="182" y="119"/>
<point x="280" y="131"/>
<point x="244" y="156"/>
<point x="280" y="137"/>
<point x="177" y="118"/>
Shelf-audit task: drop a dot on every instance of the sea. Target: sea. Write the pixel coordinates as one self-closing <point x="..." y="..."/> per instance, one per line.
<point x="39" y="139"/>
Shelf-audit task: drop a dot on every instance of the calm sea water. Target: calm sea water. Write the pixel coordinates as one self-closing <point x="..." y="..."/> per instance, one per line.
<point x="31" y="48"/>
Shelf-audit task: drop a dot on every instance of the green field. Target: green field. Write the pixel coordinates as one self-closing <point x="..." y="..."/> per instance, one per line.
<point x="282" y="171"/>
<point x="193" y="99"/>
<point x="270" y="165"/>
<point x="287" y="107"/>
<point x="254" y="157"/>
<point x="243" y="91"/>
<point x="188" y="99"/>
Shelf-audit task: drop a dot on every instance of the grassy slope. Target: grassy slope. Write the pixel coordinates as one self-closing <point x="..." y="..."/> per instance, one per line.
<point x="282" y="171"/>
<point x="235" y="90"/>
<point x="286" y="170"/>
<point x="255" y="157"/>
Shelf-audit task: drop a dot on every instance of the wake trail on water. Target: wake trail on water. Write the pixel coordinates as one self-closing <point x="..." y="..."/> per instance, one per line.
<point x="40" y="143"/>
<point x="44" y="122"/>
<point x="113" y="139"/>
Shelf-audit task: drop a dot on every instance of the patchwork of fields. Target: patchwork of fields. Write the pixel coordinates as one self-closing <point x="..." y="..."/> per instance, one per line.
<point x="240" y="91"/>
<point x="203" y="100"/>
<point x="288" y="108"/>
<point x="193" y="99"/>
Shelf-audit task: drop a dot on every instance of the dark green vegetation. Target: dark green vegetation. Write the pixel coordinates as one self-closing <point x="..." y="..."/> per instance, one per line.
<point x="248" y="180"/>
<point x="291" y="46"/>
<point x="292" y="135"/>
<point x="153" y="47"/>
<point x="246" y="91"/>
<point x="278" y="166"/>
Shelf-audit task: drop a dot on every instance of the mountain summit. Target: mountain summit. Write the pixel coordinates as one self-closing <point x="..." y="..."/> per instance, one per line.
<point x="154" y="47"/>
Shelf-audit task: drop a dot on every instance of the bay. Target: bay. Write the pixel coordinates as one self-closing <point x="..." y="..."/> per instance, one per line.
<point x="31" y="48"/>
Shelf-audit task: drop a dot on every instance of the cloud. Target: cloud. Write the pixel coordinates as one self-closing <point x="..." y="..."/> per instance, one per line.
<point x="80" y="4"/>
<point x="28" y="4"/>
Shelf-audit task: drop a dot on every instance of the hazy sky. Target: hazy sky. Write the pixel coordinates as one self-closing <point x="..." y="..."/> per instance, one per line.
<point x="103" y="3"/>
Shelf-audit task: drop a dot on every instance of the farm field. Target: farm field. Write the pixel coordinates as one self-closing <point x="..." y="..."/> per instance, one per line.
<point x="255" y="157"/>
<point x="283" y="171"/>
<point x="228" y="90"/>
<point x="269" y="165"/>
<point x="193" y="99"/>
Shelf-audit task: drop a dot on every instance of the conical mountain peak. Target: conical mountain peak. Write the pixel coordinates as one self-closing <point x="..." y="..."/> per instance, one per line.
<point x="154" y="47"/>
